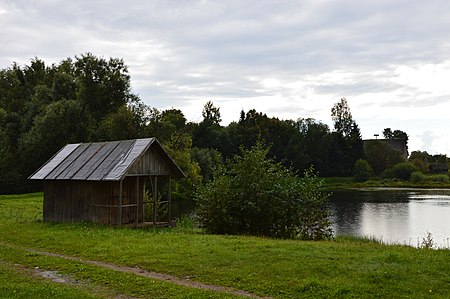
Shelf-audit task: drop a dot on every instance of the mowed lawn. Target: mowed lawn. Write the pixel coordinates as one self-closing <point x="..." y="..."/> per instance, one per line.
<point x="341" y="268"/>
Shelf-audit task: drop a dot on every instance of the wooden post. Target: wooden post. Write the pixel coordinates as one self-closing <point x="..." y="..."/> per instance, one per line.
<point x="143" y="199"/>
<point x="137" y="195"/>
<point x="120" y="202"/>
<point x="155" y="200"/>
<point x="169" y="199"/>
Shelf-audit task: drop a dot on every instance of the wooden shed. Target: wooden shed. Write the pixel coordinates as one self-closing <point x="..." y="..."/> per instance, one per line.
<point x="105" y="182"/>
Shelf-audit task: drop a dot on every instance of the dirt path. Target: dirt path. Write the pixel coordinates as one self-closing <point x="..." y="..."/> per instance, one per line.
<point x="144" y="273"/>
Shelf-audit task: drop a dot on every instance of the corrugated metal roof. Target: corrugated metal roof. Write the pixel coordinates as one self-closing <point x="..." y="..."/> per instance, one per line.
<point x="100" y="161"/>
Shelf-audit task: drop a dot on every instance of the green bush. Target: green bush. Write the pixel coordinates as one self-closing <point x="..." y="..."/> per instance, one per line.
<point x="401" y="171"/>
<point x="439" y="178"/>
<point x="253" y="195"/>
<point x="417" y="177"/>
<point x="362" y="170"/>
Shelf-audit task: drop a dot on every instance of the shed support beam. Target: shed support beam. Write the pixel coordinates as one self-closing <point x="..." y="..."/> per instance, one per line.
<point x="169" y="199"/>
<point x="155" y="199"/>
<point x="120" y="201"/>
<point x="137" y="196"/>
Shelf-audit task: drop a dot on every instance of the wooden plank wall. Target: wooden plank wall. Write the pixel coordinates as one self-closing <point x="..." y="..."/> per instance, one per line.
<point x="93" y="201"/>
<point x="68" y="201"/>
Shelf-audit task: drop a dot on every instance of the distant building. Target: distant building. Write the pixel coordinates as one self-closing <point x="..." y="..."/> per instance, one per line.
<point x="439" y="168"/>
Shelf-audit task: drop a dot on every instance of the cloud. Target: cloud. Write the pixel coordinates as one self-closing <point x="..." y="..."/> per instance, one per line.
<point x="290" y="59"/>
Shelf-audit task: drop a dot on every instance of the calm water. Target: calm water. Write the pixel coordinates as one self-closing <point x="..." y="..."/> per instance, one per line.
<point x="395" y="216"/>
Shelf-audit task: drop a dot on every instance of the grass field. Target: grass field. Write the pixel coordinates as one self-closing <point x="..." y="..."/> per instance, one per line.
<point x="333" y="183"/>
<point x="343" y="268"/>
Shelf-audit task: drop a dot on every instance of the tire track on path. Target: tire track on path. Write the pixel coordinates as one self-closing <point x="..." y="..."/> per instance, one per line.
<point x="144" y="273"/>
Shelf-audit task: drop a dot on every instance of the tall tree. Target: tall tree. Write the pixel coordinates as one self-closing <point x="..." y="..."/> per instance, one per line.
<point x="211" y="114"/>
<point x="307" y="145"/>
<point x="396" y="134"/>
<point x="104" y="85"/>
<point x="342" y="117"/>
<point x="347" y="138"/>
<point x="209" y="133"/>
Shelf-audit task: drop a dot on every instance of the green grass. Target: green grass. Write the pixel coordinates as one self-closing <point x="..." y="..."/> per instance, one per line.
<point x="15" y="282"/>
<point x="343" y="268"/>
<point x="333" y="183"/>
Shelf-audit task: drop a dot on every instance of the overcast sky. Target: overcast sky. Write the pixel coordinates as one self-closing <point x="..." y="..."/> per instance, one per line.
<point x="389" y="58"/>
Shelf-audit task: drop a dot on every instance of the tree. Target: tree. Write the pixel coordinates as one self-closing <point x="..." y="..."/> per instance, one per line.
<point x="123" y="124"/>
<point x="179" y="147"/>
<point x="255" y="127"/>
<point x="421" y="160"/>
<point x="342" y="118"/>
<point x="381" y="155"/>
<point x="387" y="133"/>
<point x="307" y="145"/>
<point x="211" y="114"/>
<point x="45" y="107"/>
<point x="347" y="138"/>
<point x="396" y="134"/>
<point x="209" y="161"/>
<point x="208" y="133"/>
<point x="52" y="129"/>
<point x="103" y="86"/>
<point x="362" y="170"/>
<point x="255" y="195"/>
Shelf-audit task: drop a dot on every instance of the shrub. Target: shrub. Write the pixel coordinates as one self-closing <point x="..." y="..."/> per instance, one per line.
<point x="362" y="170"/>
<point x="417" y="177"/>
<point x="401" y="171"/>
<point x="439" y="178"/>
<point x="254" y="195"/>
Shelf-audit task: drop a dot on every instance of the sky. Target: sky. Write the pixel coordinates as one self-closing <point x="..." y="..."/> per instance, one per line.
<point x="288" y="59"/>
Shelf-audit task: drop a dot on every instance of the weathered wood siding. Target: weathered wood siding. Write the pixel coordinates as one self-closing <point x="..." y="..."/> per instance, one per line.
<point x="67" y="201"/>
<point x="93" y="201"/>
<point x="151" y="163"/>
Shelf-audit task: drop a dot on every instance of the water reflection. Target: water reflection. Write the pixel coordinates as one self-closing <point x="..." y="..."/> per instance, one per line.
<point x="394" y="216"/>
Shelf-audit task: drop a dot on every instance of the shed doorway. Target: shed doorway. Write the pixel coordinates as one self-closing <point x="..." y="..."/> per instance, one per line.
<point x="142" y="201"/>
<point x="157" y="206"/>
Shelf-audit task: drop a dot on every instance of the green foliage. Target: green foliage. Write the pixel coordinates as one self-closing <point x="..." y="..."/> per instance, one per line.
<point x="417" y="177"/>
<point x="420" y="160"/>
<point x="89" y="99"/>
<point x="342" y="117"/>
<point x="42" y="108"/>
<point x="255" y="195"/>
<point x="428" y="242"/>
<point x="347" y="145"/>
<point x="123" y="124"/>
<point x="362" y="170"/>
<point x="402" y="171"/>
<point x="209" y="161"/>
<point x="211" y="114"/>
<point x="439" y="178"/>
<point x="381" y="156"/>
<point x="179" y="147"/>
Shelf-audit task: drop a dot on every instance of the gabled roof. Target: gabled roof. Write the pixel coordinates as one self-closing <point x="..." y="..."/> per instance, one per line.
<point x="100" y="161"/>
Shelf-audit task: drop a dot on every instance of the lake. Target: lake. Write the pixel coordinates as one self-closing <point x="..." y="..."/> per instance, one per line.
<point x="402" y="216"/>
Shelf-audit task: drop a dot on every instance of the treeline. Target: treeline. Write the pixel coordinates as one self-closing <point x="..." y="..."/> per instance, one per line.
<point x="89" y="99"/>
